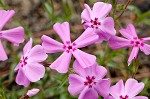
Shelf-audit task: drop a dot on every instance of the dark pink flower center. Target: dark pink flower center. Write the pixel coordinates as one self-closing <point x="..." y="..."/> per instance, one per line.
<point x="69" y="47"/>
<point x="90" y="81"/>
<point x="95" y="23"/>
<point x="23" y="61"/>
<point x="137" y="42"/>
<point x="0" y="35"/>
<point x="124" y="97"/>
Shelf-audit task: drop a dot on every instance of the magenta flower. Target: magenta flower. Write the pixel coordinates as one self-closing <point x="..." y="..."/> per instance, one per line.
<point x="97" y="20"/>
<point x="15" y="35"/>
<point x="52" y="46"/>
<point x="88" y="82"/>
<point x="29" y="68"/>
<point x="127" y="91"/>
<point x="131" y="41"/>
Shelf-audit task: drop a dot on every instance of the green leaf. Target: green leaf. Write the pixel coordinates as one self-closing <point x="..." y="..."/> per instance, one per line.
<point x="48" y="9"/>
<point x="67" y="11"/>
<point x="64" y="81"/>
<point x="146" y="21"/>
<point x="120" y="7"/>
<point x="107" y="1"/>
<point x="112" y="64"/>
<point x="146" y="14"/>
<point x="134" y="9"/>
<point x="11" y="74"/>
<point x="2" y="94"/>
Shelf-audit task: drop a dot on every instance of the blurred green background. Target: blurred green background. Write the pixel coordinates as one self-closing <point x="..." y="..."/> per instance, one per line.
<point x="38" y="16"/>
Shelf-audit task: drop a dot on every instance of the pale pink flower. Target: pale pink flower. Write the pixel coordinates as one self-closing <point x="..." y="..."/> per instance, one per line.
<point x="15" y="35"/>
<point x="29" y="67"/>
<point x="131" y="41"/>
<point x="96" y="19"/>
<point x="127" y="91"/>
<point x="52" y="46"/>
<point x="32" y="92"/>
<point x="88" y="82"/>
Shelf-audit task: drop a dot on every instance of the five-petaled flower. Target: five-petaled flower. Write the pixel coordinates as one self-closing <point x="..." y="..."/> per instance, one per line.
<point x="127" y="91"/>
<point x="15" y="35"/>
<point x="88" y="82"/>
<point x="29" y="68"/>
<point x="96" y="19"/>
<point x="52" y="46"/>
<point x="131" y="41"/>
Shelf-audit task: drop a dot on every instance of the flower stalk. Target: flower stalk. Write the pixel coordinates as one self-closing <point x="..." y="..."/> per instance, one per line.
<point x="128" y="2"/>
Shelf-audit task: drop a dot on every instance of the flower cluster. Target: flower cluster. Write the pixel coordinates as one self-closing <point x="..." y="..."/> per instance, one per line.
<point x="88" y="79"/>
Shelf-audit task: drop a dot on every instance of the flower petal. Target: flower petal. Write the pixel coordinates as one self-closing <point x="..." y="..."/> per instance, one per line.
<point x="88" y="37"/>
<point x="146" y="39"/>
<point x="37" y="54"/>
<point x="140" y="97"/>
<point x="61" y="64"/>
<point x="21" y="79"/>
<point x="118" y="42"/>
<point x="5" y="16"/>
<point x="28" y="46"/>
<point x="98" y="71"/>
<point x="107" y="26"/>
<point x="86" y="24"/>
<point x="118" y="89"/>
<point x="133" y="54"/>
<point x="50" y="45"/>
<point x="34" y="71"/>
<point x="3" y="55"/>
<point x="129" y="32"/>
<point x="103" y="36"/>
<point x="132" y="87"/>
<point x="145" y="49"/>
<point x="88" y="93"/>
<point x="17" y="67"/>
<point x="103" y="87"/>
<point x="84" y="59"/>
<point x="109" y="97"/>
<point x="86" y="14"/>
<point x="81" y="71"/>
<point x="63" y="30"/>
<point x="101" y="10"/>
<point x="76" y="84"/>
<point x="15" y="35"/>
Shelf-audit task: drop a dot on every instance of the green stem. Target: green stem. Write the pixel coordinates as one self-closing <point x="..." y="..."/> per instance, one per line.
<point x="118" y="23"/>
<point x="135" y="69"/>
<point x="128" y="2"/>
<point x="114" y="9"/>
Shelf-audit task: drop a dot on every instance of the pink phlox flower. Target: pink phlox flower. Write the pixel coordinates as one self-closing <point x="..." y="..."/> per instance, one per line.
<point x="131" y="40"/>
<point x="29" y="68"/>
<point x="69" y="48"/>
<point x="88" y="82"/>
<point x="32" y="92"/>
<point x="15" y="35"/>
<point x="127" y="91"/>
<point x="96" y="19"/>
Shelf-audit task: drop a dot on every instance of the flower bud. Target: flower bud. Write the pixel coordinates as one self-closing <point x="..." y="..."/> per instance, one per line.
<point x="32" y="92"/>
